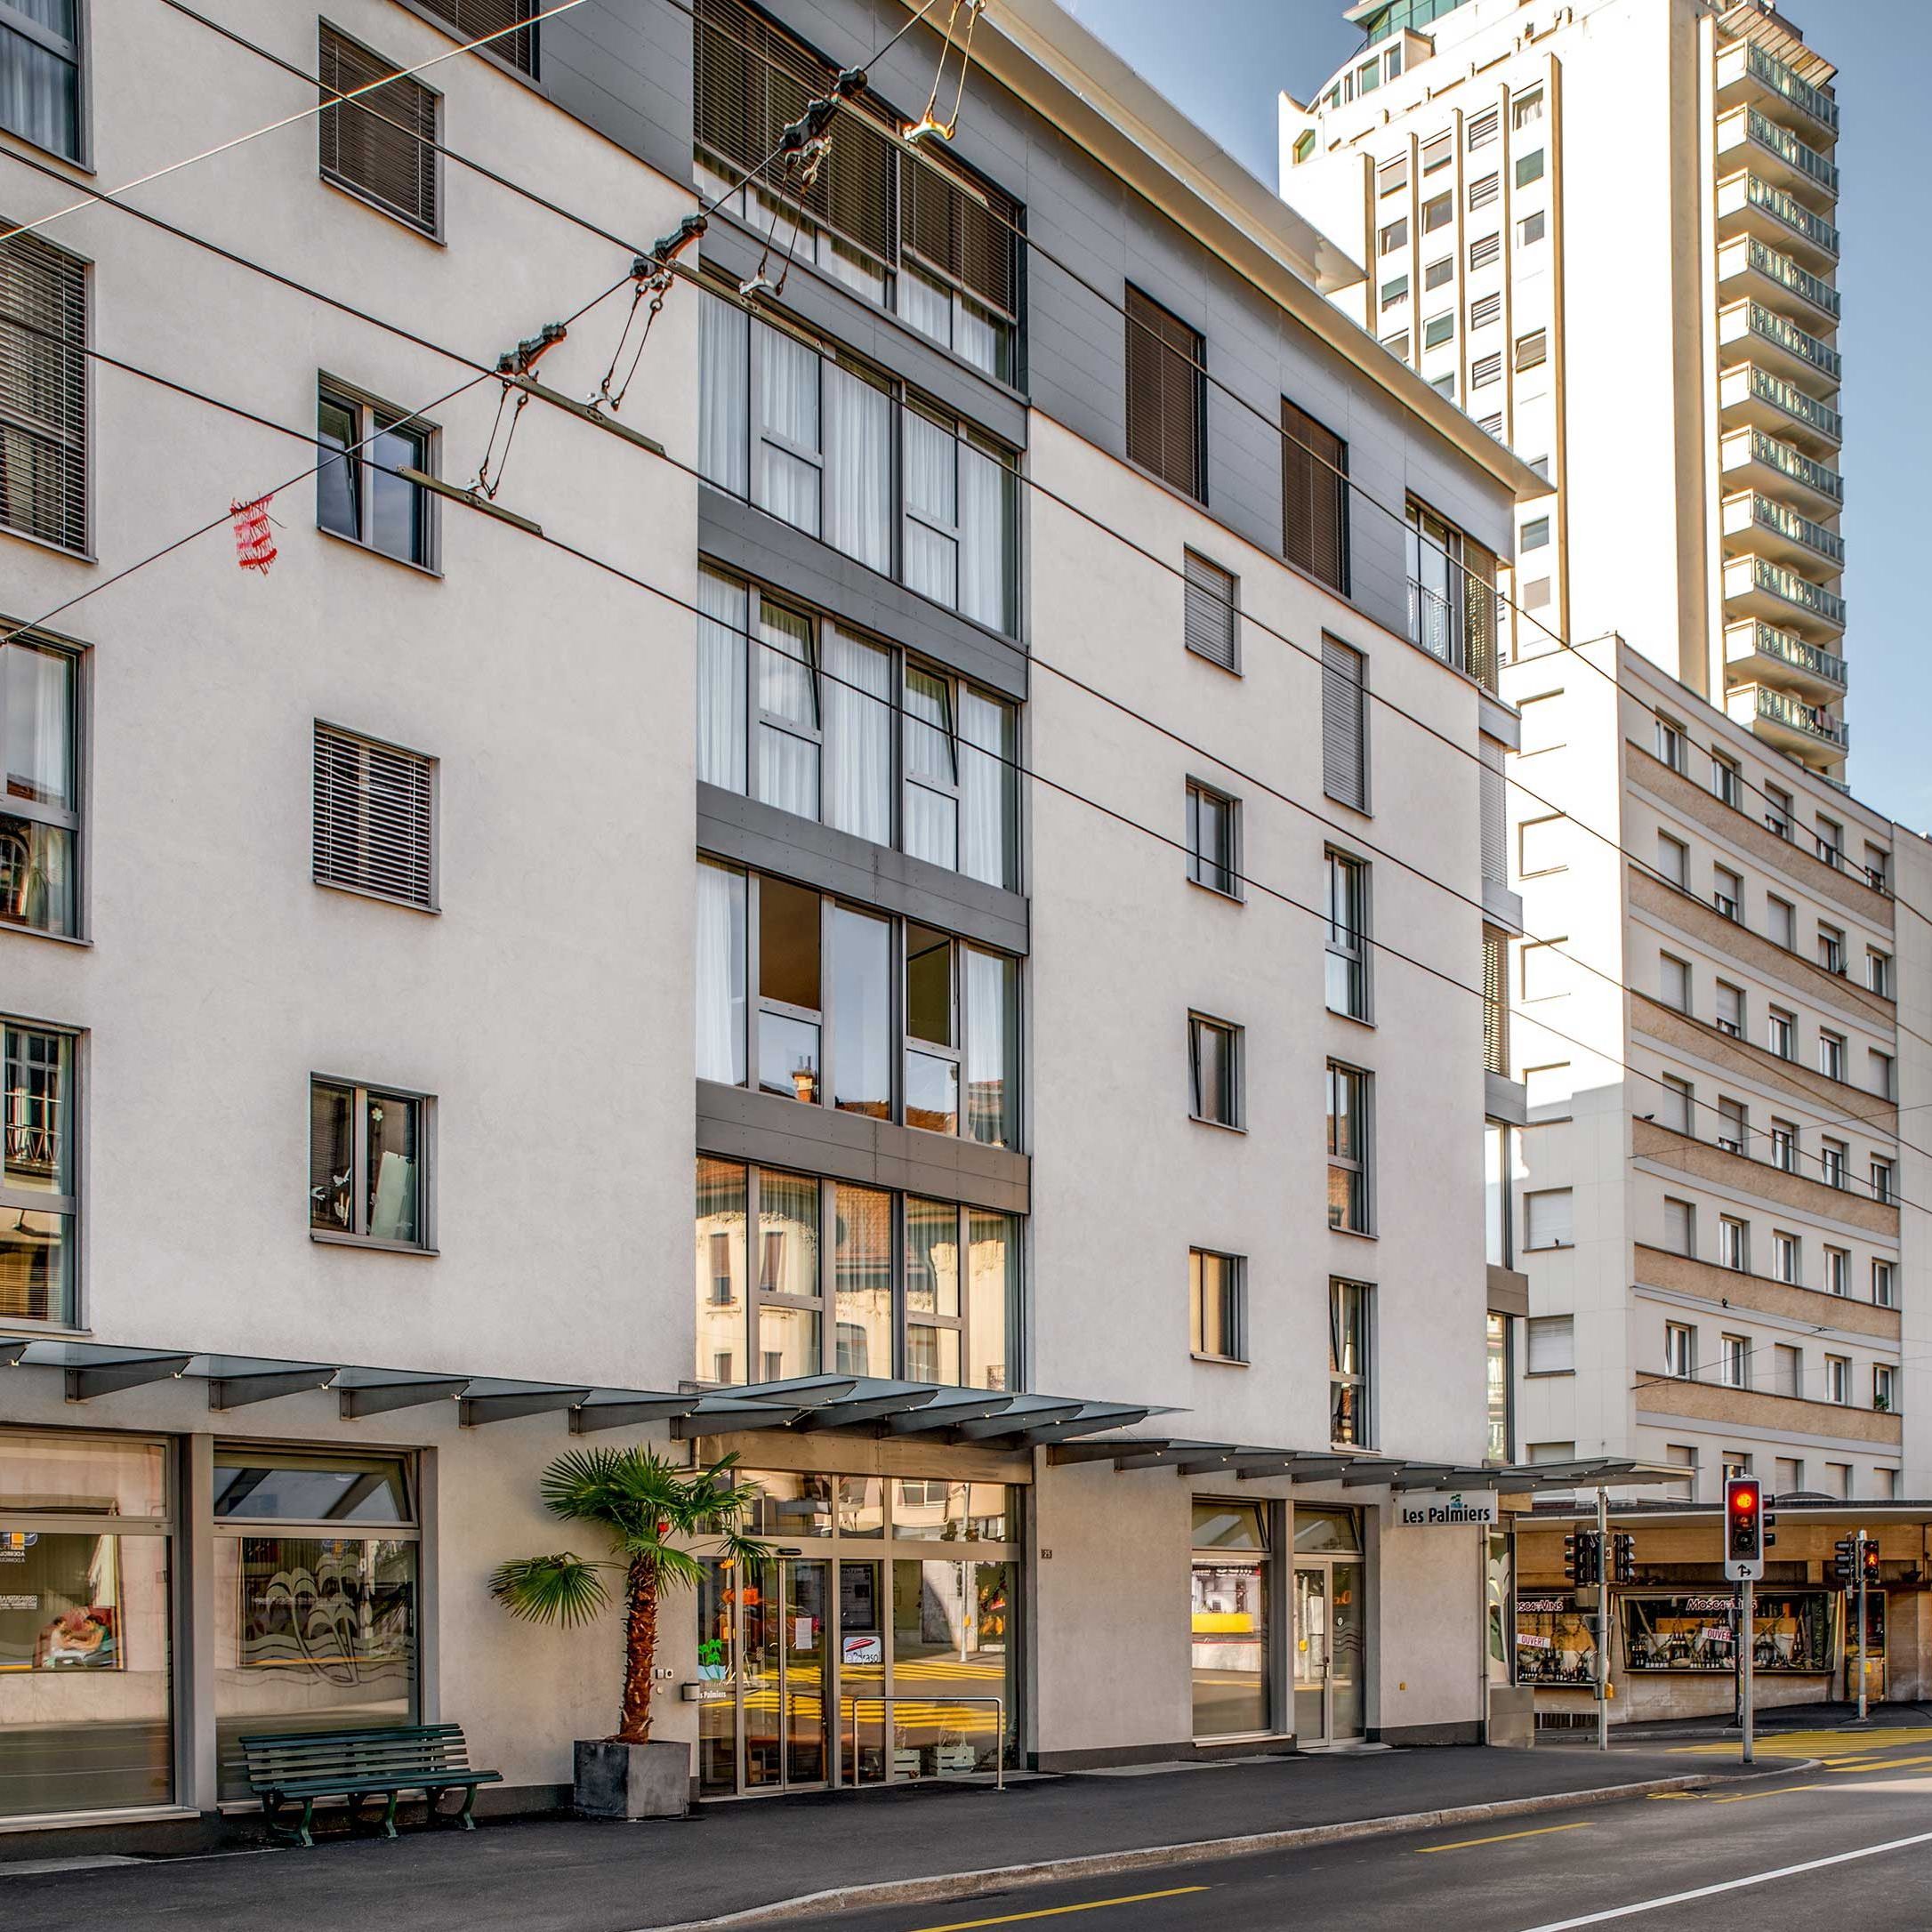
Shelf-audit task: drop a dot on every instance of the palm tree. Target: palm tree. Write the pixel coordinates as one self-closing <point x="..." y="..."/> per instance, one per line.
<point x="650" y="1510"/>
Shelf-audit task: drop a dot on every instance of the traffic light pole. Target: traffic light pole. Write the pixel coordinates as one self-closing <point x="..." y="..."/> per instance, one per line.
<point x="1604" y="1568"/>
<point x="1746" y="1645"/>
<point x="1863" y="1629"/>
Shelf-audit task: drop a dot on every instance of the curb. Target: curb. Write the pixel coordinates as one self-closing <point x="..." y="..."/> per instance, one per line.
<point x="951" y="1885"/>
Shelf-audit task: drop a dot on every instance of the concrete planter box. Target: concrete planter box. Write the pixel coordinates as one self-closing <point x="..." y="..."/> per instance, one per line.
<point x="616" y="1780"/>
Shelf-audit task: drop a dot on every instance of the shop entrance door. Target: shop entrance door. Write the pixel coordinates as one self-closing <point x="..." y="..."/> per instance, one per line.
<point x="1328" y="1676"/>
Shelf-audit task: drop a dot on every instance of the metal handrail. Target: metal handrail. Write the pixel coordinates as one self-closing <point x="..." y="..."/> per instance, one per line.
<point x="887" y="1701"/>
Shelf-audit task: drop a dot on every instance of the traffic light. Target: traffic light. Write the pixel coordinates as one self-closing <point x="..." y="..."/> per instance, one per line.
<point x="1743" y="1529"/>
<point x="1623" y="1557"/>
<point x="1845" y="1561"/>
<point x="1581" y="1558"/>
<point x="1870" y="1553"/>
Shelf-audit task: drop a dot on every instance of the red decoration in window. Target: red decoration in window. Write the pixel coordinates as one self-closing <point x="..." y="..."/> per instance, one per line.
<point x="255" y="543"/>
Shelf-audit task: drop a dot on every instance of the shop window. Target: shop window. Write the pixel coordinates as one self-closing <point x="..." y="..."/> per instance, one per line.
<point x="1231" y="1620"/>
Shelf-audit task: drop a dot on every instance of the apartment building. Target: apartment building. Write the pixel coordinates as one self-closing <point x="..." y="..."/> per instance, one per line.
<point x="1014" y="905"/>
<point x="1604" y="229"/>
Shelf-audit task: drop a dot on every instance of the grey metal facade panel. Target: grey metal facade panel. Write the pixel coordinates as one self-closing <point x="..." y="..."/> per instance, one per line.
<point x="625" y="68"/>
<point x="751" y="832"/>
<point x="734" y="533"/>
<point x="868" y="330"/>
<point x="1508" y="1291"/>
<point x="1505" y="1101"/>
<point x="735" y="1123"/>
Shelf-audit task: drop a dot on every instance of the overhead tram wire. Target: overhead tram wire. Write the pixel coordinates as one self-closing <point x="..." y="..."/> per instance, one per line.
<point x="1020" y="769"/>
<point x="813" y="271"/>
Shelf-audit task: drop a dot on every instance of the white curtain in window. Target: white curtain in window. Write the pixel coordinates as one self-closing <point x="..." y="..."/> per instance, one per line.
<point x="987" y="788"/>
<point x="788" y="375"/>
<point x="984" y="487"/>
<point x="787" y="688"/>
<point x="39" y="90"/>
<point x="858" y="731"/>
<point x="858" y="469"/>
<point x="931" y="495"/>
<point x="720" y="974"/>
<point x="720" y="681"/>
<point x="724" y="394"/>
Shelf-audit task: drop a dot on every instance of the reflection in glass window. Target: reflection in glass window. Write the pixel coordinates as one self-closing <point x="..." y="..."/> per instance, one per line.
<point x="302" y="1486"/>
<point x="931" y="770"/>
<point x="39" y="789"/>
<point x="39" y="1197"/>
<point x="862" y="1282"/>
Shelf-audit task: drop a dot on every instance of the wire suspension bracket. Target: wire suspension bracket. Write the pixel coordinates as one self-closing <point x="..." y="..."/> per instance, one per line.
<point x="929" y="126"/>
<point x="516" y="363"/>
<point x="651" y="276"/>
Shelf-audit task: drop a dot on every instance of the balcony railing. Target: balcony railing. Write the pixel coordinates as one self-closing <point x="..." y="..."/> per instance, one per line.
<point x="1794" y="341"/>
<point x="1781" y="269"/>
<point x="1813" y="718"/>
<point x="1776" y="581"/>
<point x="1794" y="402"/>
<point x="1794" y="214"/>
<point x="1460" y="631"/>
<point x="1755" y="635"/>
<point x="1781" y="141"/>
<point x="1771" y="515"/>
<point x="1784" y="80"/>
<point x="1798" y="466"/>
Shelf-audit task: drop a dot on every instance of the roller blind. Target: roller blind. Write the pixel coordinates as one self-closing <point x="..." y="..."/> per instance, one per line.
<point x="471" y="20"/>
<point x="1552" y="1344"/>
<point x="1549" y="1220"/>
<point x="1210" y="609"/>
<point x="374" y="812"/>
<point x="381" y="145"/>
<point x="1315" y="497"/>
<point x="971" y="237"/>
<point x="1495" y="811"/>
<point x="1344" y="765"/>
<point x="43" y="391"/>
<point x="1165" y="359"/>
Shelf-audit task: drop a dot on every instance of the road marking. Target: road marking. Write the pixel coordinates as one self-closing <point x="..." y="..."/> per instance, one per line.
<point x="1741" y="1798"/>
<point x="1733" y="1885"/>
<point x="1055" y="1911"/>
<point x="1463" y="1844"/>
<point x="1883" y="1764"/>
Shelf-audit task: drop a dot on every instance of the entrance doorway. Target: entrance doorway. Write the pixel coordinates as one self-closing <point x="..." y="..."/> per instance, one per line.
<point x="1330" y="1628"/>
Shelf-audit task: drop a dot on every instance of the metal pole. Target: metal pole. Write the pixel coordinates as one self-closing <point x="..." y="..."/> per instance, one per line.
<point x="1747" y="1644"/>
<point x="1864" y="1627"/>
<point x="1603" y="1620"/>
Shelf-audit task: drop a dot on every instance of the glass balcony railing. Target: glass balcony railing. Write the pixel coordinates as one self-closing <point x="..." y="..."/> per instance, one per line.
<point x="1798" y="466"/>
<point x="1794" y="214"/>
<point x="1776" y="581"/>
<point x="1786" y="145"/>
<point x="1812" y="719"/>
<point x="1783" y="270"/>
<point x="1788" y="523"/>
<point x="1794" y="402"/>
<point x="1783" y="80"/>
<point x="1768" y="641"/>
<point x="1788" y="337"/>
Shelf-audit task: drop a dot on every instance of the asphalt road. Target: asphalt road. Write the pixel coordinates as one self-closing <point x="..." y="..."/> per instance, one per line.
<point x="1621" y="1864"/>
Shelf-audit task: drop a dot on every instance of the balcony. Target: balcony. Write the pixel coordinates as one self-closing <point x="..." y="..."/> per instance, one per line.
<point x="1756" y="587"/>
<point x="1759" y="653"/>
<point x="1810" y="732"/>
<point x="1748" y="205"/>
<point x="1460" y="631"/>
<point x="1748" y="267"/>
<point x="1785" y="350"/>
<point x="1755" y="460"/>
<point x="1747" y="394"/>
<point x="1749" y="139"/>
<point x="1756" y="525"/>
<point x="1747" y="73"/>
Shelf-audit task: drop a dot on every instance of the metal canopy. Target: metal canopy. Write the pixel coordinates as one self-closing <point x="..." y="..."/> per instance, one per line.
<point x="620" y="1408"/>
<point x="96" y="1368"/>
<point x="377" y="1392"/>
<point x="235" y="1380"/>
<point x="491" y="1399"/>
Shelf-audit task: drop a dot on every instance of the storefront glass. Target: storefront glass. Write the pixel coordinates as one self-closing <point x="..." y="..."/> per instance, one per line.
<point x="1792" y="1632"/>
<point x="86" y="1706"/>
<point x="1230" y="1620"/>
<point x="1330" y="1627"/>
<point x="1556" y="1643"/>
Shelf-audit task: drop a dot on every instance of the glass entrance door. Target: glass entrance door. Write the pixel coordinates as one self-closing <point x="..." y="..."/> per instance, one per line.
<point x="1330" y="1615"/>
<point x="764" y="1642"/>
<point x="1311" y="1654"/>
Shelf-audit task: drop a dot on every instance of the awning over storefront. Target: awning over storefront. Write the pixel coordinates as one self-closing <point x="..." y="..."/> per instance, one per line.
<point x="875" y="1406"/>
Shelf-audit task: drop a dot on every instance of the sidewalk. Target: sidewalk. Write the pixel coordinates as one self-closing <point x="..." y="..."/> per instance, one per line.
<point x="527" y="1877"/>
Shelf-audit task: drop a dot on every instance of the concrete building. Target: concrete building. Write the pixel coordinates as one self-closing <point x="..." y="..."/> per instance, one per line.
<point x="1606" y="230"/>
<point x="1025" y="761"/>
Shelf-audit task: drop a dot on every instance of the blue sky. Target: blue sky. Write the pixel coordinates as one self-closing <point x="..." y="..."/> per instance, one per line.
<point x="1226" y="80"/>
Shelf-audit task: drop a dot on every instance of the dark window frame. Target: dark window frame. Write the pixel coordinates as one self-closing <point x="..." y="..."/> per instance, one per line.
<point x="381" y="116"/>
<point x="1166" y="374"/>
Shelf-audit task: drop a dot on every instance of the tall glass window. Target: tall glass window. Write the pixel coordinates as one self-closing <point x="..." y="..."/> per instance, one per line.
<point x="1350" y="1416"/>
<point x="1232" y="1691"/>
<point x="40" y="70"/>
<point x="39" y="784"/>
<point x="39" y="1190"/>
<point x="1348" y="936"/>
<point x="1347" y="1150"/>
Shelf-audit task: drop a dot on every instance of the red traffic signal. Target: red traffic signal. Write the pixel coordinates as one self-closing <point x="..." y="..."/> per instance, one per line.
<point x="1744" y="1516"/>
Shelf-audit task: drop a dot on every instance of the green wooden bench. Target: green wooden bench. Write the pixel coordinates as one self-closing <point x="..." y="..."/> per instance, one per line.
<point x="300" y="1766"/>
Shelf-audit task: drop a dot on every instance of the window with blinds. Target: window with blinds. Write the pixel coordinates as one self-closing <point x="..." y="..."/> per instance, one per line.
<point x="43" y="391"/>
<point x="1211" y="627"/>
<point x="1483" y="251"/>
<point x="1315" y="497"/>
<point x="472" y="20"/>
<point x="1483" y="192"/>
<point x="1552" y="1344"/>
<point x="1495" y="1002"/>
<point x="380" y="145"/>
<point x="375" y="817"/>
<point x="1344" y="725"/>
<point x="1166" y="394"/>
<point x="1549" y="1219"/>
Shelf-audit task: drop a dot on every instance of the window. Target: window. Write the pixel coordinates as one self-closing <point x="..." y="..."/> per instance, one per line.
<point x="1735" y="1462"/>
<point x="374" y="826"/>
<point x="1684" y="1454"/>
<point x="1674" y="982"/>
<point x="1542" y="846"/>
<point x="1368" y="77"/>
<point x="1439" y="329"/>
<point x="1670" y="743"/>
<point x="1830" y="948"/>
<point x="1210" y="624"/>
<point x="1882" y="1181"/>
<point x="1735" y="1362"/>
<point x="381" y="145"/>
<point x="1780" y="919"/>
<point x="1788" y="1371"/>
<point x="1344" y="725"/>
<point x="1347" y="967"/>
<point x="1437" y="213"/>
<point x="1879" y="971"/>
<point x="1536" y="594"/>
<point x="1484" y="191"/>
<point x="1351" y="1418"/>
<point x="1837" y="1479"/>
<point x="1680" y="1351"/>
<point x="1392" y="176"/>
<point x="1499" y="1355"/>
<point x="1879" y="1074"/>
<point x="1486" y="370"/>
<point x="1831" y="1162"/>
<point x="367" y="1163"/>
<point x="1392" y="61"/>
<point x="1552" y="1344"/>
<point x="1397" y="345"/>
<point x="1445" y="385"/>
<point x="1838" y="1378"/>
<point x="1784" y="1146"/>
<point x="925" y="1289"/>
<point x="1830" y="1054"/>
<point x="1673" y="859"/>
<point x="1674" y="1111"/>
<point x="1885" y="1283"/>
<point x="39" y="785"/>
<point x="1315" y="497"/>
<point x="1452" y="593"/>
<point x="1437" y="152"/>
<point x="1878" y="868"/>
<point x="1166" y="395"/>
<point x="1527" y="108"/>
<point x="1347" y="1150"/>
<point x="1214" y="825"/>
<point x="1730" y="1017"/>
<point x="1394" y="235"/>
<point x="1681" y="1227"/>
<point x="1837" y="1271"/>
<point x="364" y="487"/>
<point x="1831" y="840"/>
<point x="1395" y="293"/>
<point x="1884" y="1388"/>
<point x="1531" y="229"/>
<point x="39" y="1176"/>
<point x="1304" y="145"/>
<point x="1787" y="1260"/>
<point x="1214" y="1071"/>
<point x="1482" y="129"/>
<point x="1486" y="310"/>
<point x="1535" y="533"/>
<point x="803" y="996"/>
<point x="1216" y="1298"/>
<point x="1888" y="1479"/>
<point x="798" y="711"/>
<point x="44" y="383"/>
<point x="1727" y="893"/>
<point x="1734" y="1126"/>
<point x="1529" y="167"/>
<point x="1726" y="779"/>
<point x="1548" y="1219"/>
<point x="1485" y="251"/>
<point x="1734" y="1244"/>
<point x="471" y="20"/>
<point x="40" y="70"/>
<point x="1781" y="1033"/>
<point x="1439" y="274"/>
<point x="1532" y="350"/>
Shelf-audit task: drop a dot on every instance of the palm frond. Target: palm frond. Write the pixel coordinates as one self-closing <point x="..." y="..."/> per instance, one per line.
<point x="564" y="1588"/>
